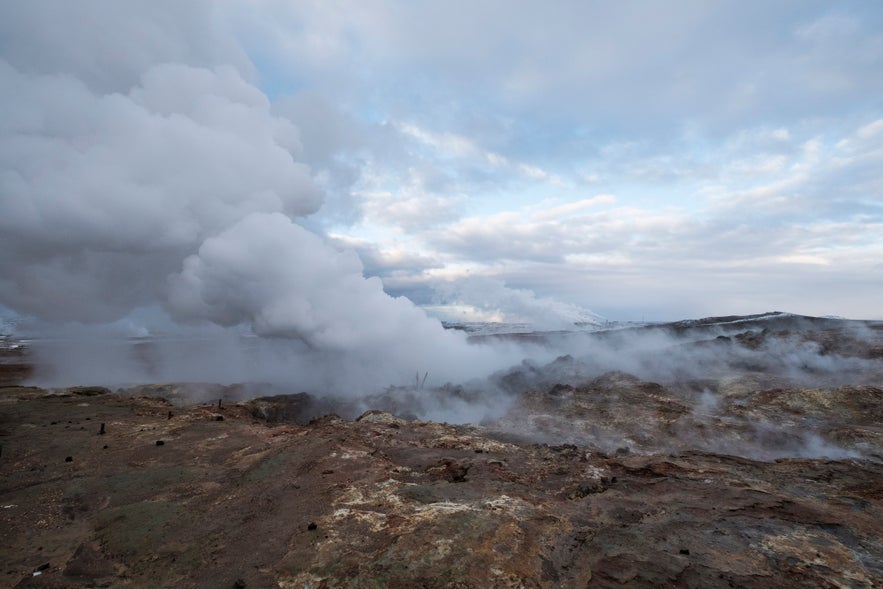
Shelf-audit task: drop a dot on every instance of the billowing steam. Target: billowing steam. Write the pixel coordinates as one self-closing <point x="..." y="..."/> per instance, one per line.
<point x="105" y="195"/>
<point x="183" y="191"/>
<point x="286" y="282"/>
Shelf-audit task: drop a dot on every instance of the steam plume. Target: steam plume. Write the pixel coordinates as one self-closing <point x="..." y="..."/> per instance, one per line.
<point x="104" y="195"/>
<point x="157" y="184"/>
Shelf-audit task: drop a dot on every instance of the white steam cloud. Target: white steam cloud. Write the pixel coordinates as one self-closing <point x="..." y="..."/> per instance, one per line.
<point x="285" y="282"/>
<point x="105" y="195"/>
<point x="147" y="182"/>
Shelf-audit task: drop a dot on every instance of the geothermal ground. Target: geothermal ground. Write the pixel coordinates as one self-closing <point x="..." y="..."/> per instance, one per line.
<point x="729" y="452"/>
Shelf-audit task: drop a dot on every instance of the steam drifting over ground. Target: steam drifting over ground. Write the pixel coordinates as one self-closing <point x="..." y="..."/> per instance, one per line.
<point x="764" y="387"/>
<point x="150" y="187"/>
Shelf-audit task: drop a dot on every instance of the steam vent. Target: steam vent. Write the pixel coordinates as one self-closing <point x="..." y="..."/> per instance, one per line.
<point x="727" y="452"/>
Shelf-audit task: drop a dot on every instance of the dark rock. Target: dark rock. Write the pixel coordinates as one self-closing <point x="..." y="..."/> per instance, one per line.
<point x="88" y="562"/>
<point x="326" y="419"/>
<point x="424" y="494"/>
<point x="160" y="443"/>
<point x="586" y="489"/>
<point x="69" y="459"/>
<point x="299" y="408"/>
<point x="561" y="389"/>
<point x="384" y="417"/>
<point x="449" y="470"/>
<point x="312" y="526"/>
<point x="88" y="391"/>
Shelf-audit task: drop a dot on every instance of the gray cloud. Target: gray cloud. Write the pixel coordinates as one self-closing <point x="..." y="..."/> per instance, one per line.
<point x="611" y="65"/>
<point x="108" y="46"/>
<point x="700" y="119"/>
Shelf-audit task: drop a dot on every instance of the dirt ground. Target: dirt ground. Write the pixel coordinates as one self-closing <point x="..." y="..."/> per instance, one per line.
<point x="740" y="474"/>
<point x="203" y="496"/>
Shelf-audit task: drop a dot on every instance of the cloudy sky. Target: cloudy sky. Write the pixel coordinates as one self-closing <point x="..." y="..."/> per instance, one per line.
<point x="490" y="159"/>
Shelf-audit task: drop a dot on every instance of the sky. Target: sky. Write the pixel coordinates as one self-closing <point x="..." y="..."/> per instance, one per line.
<point x="245" y="163"/>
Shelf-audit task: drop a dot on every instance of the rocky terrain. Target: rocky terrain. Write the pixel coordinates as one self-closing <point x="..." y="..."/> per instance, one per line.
<point x="732" y="452"/>
<point x="14" y="365"/>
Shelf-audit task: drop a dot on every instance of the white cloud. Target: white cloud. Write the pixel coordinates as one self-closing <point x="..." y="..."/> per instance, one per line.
<point x="394" y="259"/>
<point x="571" y="208"/>
<point x="830" y="26"/>
<point x="491" y="299"/>
<point x="813" y="205"/>
<point x="459" y="147"/>
<point x="706" y="151"/>
<point x="107" y="46"/>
